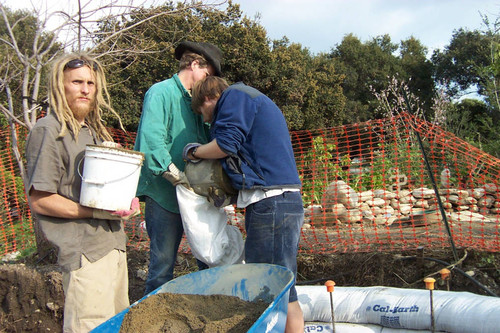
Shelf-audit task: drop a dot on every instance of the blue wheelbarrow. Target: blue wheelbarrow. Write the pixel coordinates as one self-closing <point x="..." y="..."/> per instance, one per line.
<point x="249" y="282"/>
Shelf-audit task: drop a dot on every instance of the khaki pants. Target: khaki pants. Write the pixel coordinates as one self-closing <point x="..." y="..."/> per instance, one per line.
<point x="95" y="292"/>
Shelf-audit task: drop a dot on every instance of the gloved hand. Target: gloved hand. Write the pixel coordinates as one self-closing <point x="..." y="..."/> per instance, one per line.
<point x="219" y="198"/>
<point x="135" y="209"/>
<point x="185" y="152"/>
<point x="176" y="176"/>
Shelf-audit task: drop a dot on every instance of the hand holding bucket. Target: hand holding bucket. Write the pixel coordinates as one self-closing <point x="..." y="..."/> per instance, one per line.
<point x="135" y="209"/>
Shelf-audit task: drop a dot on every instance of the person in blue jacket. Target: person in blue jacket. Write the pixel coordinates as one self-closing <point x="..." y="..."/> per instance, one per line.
<point x="249" y="134"/>
<point x="167" y="124"/>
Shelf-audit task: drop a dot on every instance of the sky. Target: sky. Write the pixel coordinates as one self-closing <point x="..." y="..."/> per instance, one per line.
<point x="320" y="25"/>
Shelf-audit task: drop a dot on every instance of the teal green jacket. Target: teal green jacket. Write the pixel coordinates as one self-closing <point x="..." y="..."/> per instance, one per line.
<point x="167" y="124"/>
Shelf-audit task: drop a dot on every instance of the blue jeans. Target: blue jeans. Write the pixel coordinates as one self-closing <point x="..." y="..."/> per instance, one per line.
<point x="273" y="232"/>
<point x="165" y="234"/>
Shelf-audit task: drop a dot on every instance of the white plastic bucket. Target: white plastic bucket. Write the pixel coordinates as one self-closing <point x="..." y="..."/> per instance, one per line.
<point x="110" y="177"/>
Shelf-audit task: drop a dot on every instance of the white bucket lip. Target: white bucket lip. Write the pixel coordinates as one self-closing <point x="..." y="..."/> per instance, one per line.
<point x="109" y="177"/>
<point x="117" y="151"/>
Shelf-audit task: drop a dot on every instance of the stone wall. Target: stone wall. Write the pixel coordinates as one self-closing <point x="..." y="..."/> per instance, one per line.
<point x="342" y="204"/>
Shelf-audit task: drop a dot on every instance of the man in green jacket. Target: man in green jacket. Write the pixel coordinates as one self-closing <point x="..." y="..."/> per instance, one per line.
<point x="167" y="124"/>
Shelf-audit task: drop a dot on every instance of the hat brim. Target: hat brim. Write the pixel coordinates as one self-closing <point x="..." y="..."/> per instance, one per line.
<point x="199" y="49"/>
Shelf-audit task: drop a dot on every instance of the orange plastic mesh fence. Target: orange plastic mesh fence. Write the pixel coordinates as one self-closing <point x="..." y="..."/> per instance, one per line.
<point x="365" y="187"/>
<point x="368" y="187"/>
<point x="16" y="227"/>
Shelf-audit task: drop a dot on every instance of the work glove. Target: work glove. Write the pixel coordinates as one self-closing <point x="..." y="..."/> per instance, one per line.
<point x="219" y="198"/>
<point x="135" y="209"/>
<point x="176" y="176"/>
<point x="185" y="152"/>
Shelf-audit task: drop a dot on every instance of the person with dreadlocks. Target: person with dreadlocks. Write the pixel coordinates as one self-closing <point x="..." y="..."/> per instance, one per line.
<point x="90" y="242"/>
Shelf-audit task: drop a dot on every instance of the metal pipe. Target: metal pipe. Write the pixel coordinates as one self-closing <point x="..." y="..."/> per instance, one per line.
<point x="433" y="181"/>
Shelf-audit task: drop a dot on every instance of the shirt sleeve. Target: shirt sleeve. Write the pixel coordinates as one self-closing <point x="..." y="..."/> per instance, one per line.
<point x="152" y="137"/>
<point x="234" y="119"/>
<point x="44" y="160"/>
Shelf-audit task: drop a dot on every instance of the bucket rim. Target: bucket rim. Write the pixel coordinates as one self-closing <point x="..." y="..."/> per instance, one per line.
<point x="95" y="147"/>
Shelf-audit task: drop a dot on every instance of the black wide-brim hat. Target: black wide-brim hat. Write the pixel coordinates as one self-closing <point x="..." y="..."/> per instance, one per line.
<point x="211" y="52"/>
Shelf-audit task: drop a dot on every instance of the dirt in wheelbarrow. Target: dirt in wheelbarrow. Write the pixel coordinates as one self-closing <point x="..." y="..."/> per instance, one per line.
<point x="32" y="300"/>
<point x="182" y="313"/>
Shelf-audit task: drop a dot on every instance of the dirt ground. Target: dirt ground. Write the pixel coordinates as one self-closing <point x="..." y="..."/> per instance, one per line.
<point x="31" y="297"/>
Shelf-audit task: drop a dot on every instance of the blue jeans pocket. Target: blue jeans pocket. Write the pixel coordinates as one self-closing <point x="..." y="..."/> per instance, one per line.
<point x="259" y="225"/>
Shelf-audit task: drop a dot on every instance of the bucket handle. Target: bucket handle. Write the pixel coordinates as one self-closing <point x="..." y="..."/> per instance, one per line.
<point x="95" y="182"/>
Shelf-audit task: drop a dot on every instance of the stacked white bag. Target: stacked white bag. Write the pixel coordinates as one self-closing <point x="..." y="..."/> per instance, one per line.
<point x="401" y="309"/>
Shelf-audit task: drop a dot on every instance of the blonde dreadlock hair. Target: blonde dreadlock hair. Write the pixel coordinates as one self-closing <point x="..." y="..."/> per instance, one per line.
<point x="59" y="105"/>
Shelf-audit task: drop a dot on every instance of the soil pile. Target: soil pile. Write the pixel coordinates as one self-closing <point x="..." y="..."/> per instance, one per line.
<point x="31" y="300"/>
<point x="182" y="313"/>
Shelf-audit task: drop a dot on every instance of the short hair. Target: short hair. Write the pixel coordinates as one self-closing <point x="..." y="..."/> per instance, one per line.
<point x="211" y="87"/>
<point x="188" y="58"/>
<point x="59" y="104"/>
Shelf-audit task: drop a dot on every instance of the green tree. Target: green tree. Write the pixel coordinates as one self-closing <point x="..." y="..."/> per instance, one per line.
<point x="471" y="120"/>
<point x="459" y="65"/>
<point x="325" y="97"/>
<point x="418" y="71"/>
<point x="130" y="74"/>
<point x="469" y="64"/>
<point x="366" y="67"/>
<point x="306" y="88"/>
<point x="246" y="47"/>
<point x="491" y="73"/>
<point x="243" y="42"/>
<point x="289" y="76"/>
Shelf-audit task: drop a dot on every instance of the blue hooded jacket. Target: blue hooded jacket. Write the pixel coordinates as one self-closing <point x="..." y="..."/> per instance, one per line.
<point x="252" y="130"/>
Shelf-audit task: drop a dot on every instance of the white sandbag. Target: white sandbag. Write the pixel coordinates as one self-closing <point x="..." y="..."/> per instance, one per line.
<point x="211" y="239"/>
<point x="402" y="308"/>
<point x="354" y="328"/>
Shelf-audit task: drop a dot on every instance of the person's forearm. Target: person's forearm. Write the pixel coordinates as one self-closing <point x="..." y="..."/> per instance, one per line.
<point x="208" y="151"/>
<point x="52" y="204"/>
